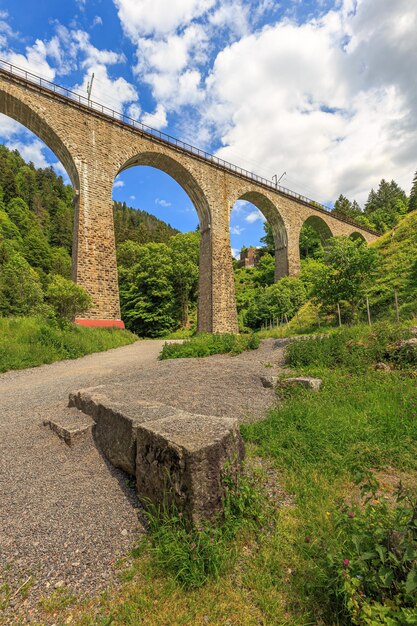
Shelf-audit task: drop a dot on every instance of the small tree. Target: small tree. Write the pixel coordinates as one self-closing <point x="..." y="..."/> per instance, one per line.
<point x="345" y="274"/>
<point x="67" y="298"/>
<point x="412" y="205"/>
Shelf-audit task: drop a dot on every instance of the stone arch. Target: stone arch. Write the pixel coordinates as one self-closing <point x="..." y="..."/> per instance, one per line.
<point x="356" y="235"/>
<point x="270" y="211"/>
<point x="186" y="180"/>
<point x="320" y="226"/>
<point x="25" y="115"/>
<point x="180" y="174"/>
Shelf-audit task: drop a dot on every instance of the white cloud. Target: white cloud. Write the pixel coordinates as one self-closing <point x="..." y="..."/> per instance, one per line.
<point x="157" y="119"/>
<point x="32" y="151"/>
<point x="236" y="230"/>
<point x="163" y="203"/>
<point x="97" y="21"/>
<point x="158" y="17"/>
<point x="331" y="101"/>
<point x="118" y="184"/>
<point x="254" y="216"/>
<point x="235" y="253"/>
<point x="132" y="197"/>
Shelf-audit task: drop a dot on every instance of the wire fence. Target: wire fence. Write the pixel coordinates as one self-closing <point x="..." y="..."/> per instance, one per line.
<point x="117" y="116"/>
<point x="394" y="310"/>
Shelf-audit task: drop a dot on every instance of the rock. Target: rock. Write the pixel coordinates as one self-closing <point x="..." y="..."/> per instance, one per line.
<point x="305" y="381"/>
<point x="124" y="532"/>
<point x="177" y="457"/>
<point x="59" y="584"/>
<point x="408" y="342"/>
<point x="181" y="461"/>
<point x="383" y="367"/>
<point x="269" y="381"/>
<point x="413" y="330"/>
<point x="116" y="422"/>
<point x="71" y="425"/>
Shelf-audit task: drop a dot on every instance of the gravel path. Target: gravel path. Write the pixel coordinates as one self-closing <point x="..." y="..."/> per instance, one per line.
<point x="66" y="515"/>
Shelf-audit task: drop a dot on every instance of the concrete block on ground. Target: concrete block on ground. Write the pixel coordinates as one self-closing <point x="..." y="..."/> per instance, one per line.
<point x="181" y="460"/>
<point x="304" y="381"/>
<point x="70" y="425"/>
<point x="116" y="422"/>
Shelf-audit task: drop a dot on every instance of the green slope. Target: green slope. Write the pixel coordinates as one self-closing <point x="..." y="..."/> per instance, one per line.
<point x="397" y="269"/>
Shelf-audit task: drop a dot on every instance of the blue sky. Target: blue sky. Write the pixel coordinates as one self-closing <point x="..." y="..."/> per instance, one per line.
<point x="319" y="89"/>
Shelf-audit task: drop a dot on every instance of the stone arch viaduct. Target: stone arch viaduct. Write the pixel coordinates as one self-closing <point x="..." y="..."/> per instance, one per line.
<point x="94" y="144"/>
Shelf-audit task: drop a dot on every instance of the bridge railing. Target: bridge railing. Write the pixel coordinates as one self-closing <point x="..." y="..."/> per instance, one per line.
<point x="9" y="68"/>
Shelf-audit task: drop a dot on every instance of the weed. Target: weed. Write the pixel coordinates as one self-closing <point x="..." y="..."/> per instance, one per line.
<point x="195" y="554"/>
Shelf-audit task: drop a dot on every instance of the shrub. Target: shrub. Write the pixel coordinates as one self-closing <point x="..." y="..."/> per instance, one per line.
<point x="206" y="344"/>
<point x="373" y="574"/>
<point x="20" y="288"/>
<point x="67" y="298"/>
<point x="353" y="348"/>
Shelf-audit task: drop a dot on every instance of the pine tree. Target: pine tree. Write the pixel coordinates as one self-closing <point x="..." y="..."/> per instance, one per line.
<point x="412" y="205"/>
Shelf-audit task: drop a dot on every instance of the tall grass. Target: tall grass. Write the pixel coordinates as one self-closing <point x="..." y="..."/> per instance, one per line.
<point x="206" y="344"/>
<point x="31" y="341"/>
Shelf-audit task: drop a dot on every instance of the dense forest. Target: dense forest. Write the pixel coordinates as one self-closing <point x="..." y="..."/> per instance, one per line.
<point x="158" y="267"/>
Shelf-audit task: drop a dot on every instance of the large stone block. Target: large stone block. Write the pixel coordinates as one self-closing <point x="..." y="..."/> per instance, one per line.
<point x="116" y="422"/>
<point x="181" y="461"/>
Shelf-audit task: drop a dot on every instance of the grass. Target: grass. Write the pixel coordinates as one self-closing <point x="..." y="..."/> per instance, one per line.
<point x="205" y="344"/>
<point x="276" y="571"/>
<point x="31" y="341"/>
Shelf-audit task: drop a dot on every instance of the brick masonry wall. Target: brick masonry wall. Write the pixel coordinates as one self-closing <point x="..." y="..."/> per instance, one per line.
<point x="94" y="149"/>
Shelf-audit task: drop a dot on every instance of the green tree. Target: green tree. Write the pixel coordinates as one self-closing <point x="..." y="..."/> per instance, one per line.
<point x="268" y="239"/>
<point x="20" y="288"/>
<point x="412" y="206"/>
<point x="185" y="256"/>
<point x="67" y="299"/>
<point x="385" y="207"/>
<point x="310" y="243"/>
<point x="282" y="299"/>
<point x="147" y="294"/>
<point x="345" y="274"/>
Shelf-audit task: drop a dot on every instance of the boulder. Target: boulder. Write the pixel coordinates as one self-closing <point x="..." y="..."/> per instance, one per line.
<point x="304" y="381"/>
<point x="177" y="457"/>
<point x="383" y="367"/>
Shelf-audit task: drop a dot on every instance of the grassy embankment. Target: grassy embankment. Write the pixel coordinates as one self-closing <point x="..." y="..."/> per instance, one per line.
<point x="289" y="569"/>
<point x="31" y="341"/>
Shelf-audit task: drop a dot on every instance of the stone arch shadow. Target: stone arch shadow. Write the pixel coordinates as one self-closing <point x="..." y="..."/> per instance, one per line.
<point x="356" y="236"/>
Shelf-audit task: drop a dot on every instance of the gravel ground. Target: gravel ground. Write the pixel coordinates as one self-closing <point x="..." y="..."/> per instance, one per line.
<point x="66" y="514"/>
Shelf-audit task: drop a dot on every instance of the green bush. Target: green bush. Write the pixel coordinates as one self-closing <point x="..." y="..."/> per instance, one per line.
<point x="353" y="348"/>
<point x="67" y="298"/>
<point x="207" y="344"/>
<point x="372" y="574"/>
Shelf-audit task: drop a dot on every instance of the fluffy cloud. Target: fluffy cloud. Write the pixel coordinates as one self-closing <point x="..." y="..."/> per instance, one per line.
<point x="332" y="101"/>
<point x="158" y="17"/>
<point x="236" y="230"/>
<point x="254" y="216"/>
<point x="157" y="119"/>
